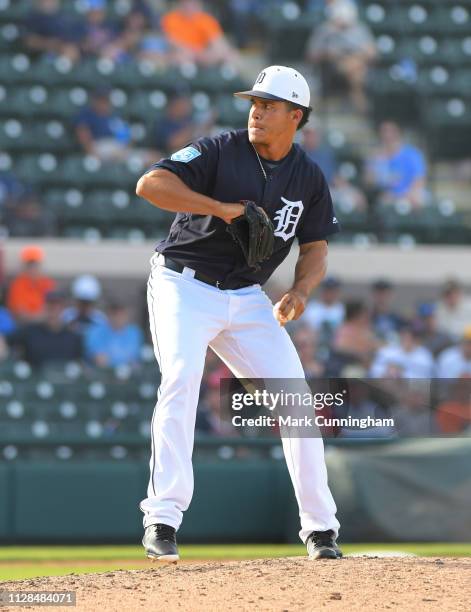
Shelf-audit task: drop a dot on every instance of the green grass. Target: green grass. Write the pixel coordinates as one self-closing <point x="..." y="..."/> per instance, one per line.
<point x="17" y="562"/>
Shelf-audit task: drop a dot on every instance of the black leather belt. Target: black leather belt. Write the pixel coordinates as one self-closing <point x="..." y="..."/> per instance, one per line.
<point x="177" y="267"/>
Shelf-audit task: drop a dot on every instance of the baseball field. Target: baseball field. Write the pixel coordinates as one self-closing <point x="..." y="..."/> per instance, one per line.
<point x="411" y="576"/>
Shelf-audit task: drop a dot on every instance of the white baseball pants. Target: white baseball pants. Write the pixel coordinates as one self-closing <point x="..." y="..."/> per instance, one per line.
<point x="186" y="316"/>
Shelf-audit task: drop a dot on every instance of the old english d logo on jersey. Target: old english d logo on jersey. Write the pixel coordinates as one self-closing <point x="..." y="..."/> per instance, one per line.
<point x="288" y="218"/>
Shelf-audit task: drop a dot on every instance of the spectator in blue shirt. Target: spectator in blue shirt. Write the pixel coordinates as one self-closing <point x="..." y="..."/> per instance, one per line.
<point x="100" y="131"/>
<point x="7" y="322"/>
<point x="7" y="327"/>
<point x="398" y="169"/>
<point x="116" y="342"/>
<point x="11" y="190"/>
<point x="86" y="291"/>
<point x="320" y="152"/>
<point x="180" y="125"/>
<point x="50" y="30"/>
<point x="102" y="36"/>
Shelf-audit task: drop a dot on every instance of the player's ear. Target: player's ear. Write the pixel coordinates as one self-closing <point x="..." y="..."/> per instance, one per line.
<point x="297" y="115"/>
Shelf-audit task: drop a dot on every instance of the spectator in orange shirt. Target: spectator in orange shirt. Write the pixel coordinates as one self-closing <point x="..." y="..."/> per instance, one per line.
<point x="27" y="291"/>
<point x="196" y="35"/>
<point x="453" y="415"/>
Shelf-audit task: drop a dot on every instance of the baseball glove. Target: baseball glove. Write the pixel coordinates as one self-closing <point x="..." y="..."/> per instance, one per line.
<point x="253" y="231"/>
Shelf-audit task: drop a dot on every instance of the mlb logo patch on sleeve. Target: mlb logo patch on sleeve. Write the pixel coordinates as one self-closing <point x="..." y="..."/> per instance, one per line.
<point x="185" y="155"/>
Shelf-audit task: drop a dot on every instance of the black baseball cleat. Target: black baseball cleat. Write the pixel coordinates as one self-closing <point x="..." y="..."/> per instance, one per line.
<point x="160" y="543"/>
<point x="322" y="545"/>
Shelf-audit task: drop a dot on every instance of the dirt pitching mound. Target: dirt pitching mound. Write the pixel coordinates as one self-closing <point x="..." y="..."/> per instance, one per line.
<point x="288" y="584"/>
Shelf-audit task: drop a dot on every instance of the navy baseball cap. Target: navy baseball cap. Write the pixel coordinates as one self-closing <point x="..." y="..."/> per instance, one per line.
<point x="381" y="284"/>
<point x="331" y="282"/>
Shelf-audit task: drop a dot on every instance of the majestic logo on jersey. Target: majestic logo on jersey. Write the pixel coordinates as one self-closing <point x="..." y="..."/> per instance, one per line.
<point x="185" y="155"/>
<point x="287" y="218"/>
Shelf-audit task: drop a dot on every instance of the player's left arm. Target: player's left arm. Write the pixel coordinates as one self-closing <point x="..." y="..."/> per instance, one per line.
<point x="309" y="272"/>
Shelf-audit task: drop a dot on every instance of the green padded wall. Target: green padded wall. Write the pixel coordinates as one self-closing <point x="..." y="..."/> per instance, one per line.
<point x="238" y="497"/>
<point x="6" y="501"/>
<point x="78" y="501"/>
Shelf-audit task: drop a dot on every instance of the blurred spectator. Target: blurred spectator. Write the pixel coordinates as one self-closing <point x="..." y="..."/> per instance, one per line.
<point x="7" y="322"/>
<point x="86" y="292"/>
<point x="102" y="36"/>
<point x="27" y="218"/>
<point x="27" y="291"/>
<point x="453" y="310"/>
<point x="214" y="370"/>
<point x="432" y="338"/>
<point x="305" y="341"/>
<point x="179" y="125"/>
<point x="346" y="196"/>
<point x="210" y="418"/>
<point x="11" y="190"/>
<point x="362" y="404"/>
<point x="455" y="362"/>
<point x="346" y="46"/>
<point x="413" y="415"/>
<point x="116" y="342"/>
<point x="386" y="323"/>
<point x="319" y="151"/>
<point x="245" y="16"/>
<point x="148" y="42"/>
<point x="100" y="131"/>
<point x="196" y="35"/>
<point x="453" y="415"/>
<point x="7" y="327"/>
<point x="397" y="169"/>
<point x="50" y="30"/>
<point x="48" y="341"/>
<point x="325" y="314"/>
<point x="354" y="338"/>
<point x="407" y="358"/>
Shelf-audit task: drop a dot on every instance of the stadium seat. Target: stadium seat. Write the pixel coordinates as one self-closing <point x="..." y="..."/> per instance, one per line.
<point x="232" y="111"/>
<point x="456" y="51"/>
<point x="454" y="18"/>
<point x="132" y="75"/>
<point x="9" y="34"/>
<point x="16" y="68"/>
<point x="20" y="136"/>
<point x="447" y="123"/>
<point x="38" y="169"/>
<point x="393" y="96"/>
<point x="147" y="104"/>
<point x="15" y="136"/>
<point x="27" y="102"/>
<point x="435" y="81"/>
<point x="90" y="172"/>
<point x="90" y="235"/>
<point x="217" y="80"/>
<point x="14" y="10"/>
<point x="67" y="103"/>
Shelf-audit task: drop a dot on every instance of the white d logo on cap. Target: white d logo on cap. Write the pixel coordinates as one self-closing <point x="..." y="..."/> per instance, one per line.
<point x="260" y="78"/>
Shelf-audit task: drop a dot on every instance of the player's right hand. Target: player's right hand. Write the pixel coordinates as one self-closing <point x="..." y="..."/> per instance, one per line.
<point x="231" y="211"/>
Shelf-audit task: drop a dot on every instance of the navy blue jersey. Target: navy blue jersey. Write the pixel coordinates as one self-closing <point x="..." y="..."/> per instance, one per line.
<point x="295" y="195"/>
